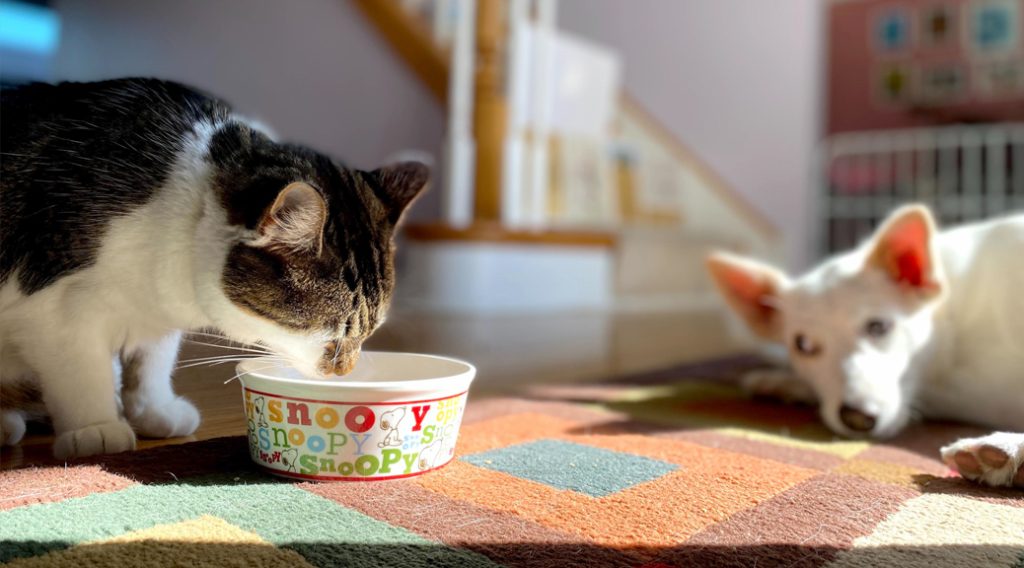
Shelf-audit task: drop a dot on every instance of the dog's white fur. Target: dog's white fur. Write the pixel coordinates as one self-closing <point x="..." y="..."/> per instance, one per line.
<point x="954" y="306"/>
<point x="157" y="272"/>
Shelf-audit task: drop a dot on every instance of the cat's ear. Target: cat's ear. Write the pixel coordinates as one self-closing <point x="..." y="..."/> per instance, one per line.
<point x="903" y="249"/>
<point x="399" y="184"/>
<point x="752" y="290"/>
<point x="295" y="221"/>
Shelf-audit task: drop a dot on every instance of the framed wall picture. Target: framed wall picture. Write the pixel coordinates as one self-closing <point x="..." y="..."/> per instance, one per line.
<point x="939" y="25"/>
<point x="893" y="84"/>
<point x="999" y="79"/>
<point x="941" y="84"/>
<point x="891" y="30"/>
<point x="992" y="26"/>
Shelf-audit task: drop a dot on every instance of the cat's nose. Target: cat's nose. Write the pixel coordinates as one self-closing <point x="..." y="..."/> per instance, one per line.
<point x="856" y="419"/>
<point x="339" y="360"/>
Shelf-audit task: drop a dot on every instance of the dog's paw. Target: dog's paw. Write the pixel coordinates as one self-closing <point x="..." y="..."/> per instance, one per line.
<point x="996" y="459"/>
<point x="778" y="384"/>
<point x="178" y="417"/>
<point x="12" y="427"/>
<point x="105" y="438"/>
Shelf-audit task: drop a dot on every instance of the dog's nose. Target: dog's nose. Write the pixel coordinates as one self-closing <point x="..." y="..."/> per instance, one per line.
<point x="856" y="420"/>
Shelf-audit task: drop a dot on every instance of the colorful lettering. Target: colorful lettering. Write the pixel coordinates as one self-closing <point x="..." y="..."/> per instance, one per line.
<point x="409" y="460"/>
<point x="360" y="419"/>
<point x="298" y="413"/>
<point x="389" y="457"/>
<point x="359" y="442"/>
<point x="280" y="438"/>
<point x="428" y="434"/>
<point x="307" y="464"/>
<point x="327" y="417"/>
<point x="333" y="442"/>
<point x="274" y="408"/>
<point x="419" y="413"/>
<point x="367" y="465"/>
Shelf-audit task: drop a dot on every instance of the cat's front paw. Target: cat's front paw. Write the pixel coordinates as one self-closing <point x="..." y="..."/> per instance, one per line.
<point x="778" y="384"/>
<point x="12" y="427"/>
<point x="104" y="438"/>
<point x="996" y="459"/>
<point x="178" y="417"/>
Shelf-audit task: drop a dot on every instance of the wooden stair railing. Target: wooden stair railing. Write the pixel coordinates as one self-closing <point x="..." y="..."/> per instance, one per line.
<point x="489" y="109"/>
<point x="412" y="40"/>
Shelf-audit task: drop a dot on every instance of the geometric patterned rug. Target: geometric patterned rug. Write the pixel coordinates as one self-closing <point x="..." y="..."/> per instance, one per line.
<point x="685" y="474"/>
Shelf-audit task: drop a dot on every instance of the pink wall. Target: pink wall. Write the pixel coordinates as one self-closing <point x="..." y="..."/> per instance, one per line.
<point x="856" y="100"/>
<point x="736" y="80"/>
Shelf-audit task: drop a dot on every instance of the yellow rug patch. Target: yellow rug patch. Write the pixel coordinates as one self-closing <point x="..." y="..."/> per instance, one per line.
<point x="204" y="541"/>
<point x="877" y="471"/>
<point x="845" y="449"/>
<point x="934" y="531"/>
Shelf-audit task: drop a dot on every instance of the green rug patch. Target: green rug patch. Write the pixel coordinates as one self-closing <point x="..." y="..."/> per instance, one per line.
<point x="280" y="513"/>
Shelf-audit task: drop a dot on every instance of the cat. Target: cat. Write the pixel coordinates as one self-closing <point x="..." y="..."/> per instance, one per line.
<point x="132" y="210"/>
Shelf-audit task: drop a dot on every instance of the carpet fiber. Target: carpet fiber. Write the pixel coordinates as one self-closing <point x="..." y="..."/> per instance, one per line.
<point x="663" y="474"/>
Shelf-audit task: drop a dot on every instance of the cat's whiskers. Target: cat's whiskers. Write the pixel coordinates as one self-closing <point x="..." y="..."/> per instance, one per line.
<point x="256" y="370"/>
<point x="233" y="349"/>
<point x="217" y="358"/>
<point x="208" y="363"/>
<point x="239" y="347"/>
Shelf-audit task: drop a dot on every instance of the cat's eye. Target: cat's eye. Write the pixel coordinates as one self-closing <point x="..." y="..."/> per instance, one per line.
<point x="806" y="346"/>
<point x="877" y="327"/>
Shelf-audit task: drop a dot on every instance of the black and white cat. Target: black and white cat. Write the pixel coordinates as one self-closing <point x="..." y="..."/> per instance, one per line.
<point x="134" y="209"/>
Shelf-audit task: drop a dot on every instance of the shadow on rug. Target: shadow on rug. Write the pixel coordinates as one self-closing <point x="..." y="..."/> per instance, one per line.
<point x="666" y="473"/>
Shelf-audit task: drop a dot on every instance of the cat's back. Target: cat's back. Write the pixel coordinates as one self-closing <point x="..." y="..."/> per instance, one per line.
<point x="43" y="120"/>
<point x="74" y="155"/>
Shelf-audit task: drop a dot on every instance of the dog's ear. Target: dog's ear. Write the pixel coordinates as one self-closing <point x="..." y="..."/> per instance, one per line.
<point x="752" y="290"/>
<point x="903" y="248"/>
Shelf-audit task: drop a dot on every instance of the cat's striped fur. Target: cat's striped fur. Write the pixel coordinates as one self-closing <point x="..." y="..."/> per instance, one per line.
<point x="133" y="209"/>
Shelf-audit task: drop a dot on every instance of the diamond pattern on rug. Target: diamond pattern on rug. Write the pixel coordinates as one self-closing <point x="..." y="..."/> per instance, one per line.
<point x="664" y="476"/>
<point x="565" y="465"/>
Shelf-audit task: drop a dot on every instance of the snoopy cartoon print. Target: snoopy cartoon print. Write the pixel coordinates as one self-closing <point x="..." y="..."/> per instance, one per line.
<point x="254" y="442"/>
<point x="259" y="405"/>
<point x="447" y="443"/>
<point x="389" y="422"/>
<point x="288" y="458"/>
<point x="429" y="454"/>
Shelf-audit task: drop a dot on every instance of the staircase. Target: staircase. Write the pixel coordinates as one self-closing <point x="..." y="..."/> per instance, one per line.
<point x="669" y="207"/>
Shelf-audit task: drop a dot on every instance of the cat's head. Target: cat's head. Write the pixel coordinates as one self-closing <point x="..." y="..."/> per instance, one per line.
<point x="309" y="266"/>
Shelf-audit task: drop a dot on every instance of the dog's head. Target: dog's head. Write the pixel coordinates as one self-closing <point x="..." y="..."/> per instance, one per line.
<point x="856" y="327"/>
<point x="389" y="420"/>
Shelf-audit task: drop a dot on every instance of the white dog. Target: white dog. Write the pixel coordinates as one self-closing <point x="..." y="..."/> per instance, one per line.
<point x="911" y="320"/>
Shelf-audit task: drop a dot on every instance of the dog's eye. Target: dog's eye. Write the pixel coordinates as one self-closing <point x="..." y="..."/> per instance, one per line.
<point x="877" y="327"/>
<point x="805" y="345"/>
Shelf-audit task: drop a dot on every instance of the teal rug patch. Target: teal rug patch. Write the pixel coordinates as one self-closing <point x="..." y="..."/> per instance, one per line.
<point x="564" y="465"/>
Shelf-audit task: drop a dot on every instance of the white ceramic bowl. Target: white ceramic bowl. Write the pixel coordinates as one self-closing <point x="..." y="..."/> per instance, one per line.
<point x="396" y="415"/>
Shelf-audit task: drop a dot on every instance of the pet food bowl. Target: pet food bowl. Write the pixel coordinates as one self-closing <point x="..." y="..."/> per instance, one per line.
<point x="395" y="415"/>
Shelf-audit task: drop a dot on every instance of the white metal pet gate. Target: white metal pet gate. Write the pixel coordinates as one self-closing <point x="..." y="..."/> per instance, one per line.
<point x="965" y="173"/>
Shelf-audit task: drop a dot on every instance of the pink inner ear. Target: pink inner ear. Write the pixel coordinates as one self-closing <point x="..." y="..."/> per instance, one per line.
<point x="908" y="260"/>
<point x="910" y="269"/>
<point x="753" y="291"/>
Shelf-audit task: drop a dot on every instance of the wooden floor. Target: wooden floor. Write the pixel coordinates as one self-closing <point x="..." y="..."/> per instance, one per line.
<point x="509" y="352"/>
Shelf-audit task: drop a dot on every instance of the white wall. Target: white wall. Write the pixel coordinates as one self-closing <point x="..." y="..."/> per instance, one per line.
<point x="314" y="70"/>
<point x="736" y="80"/>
